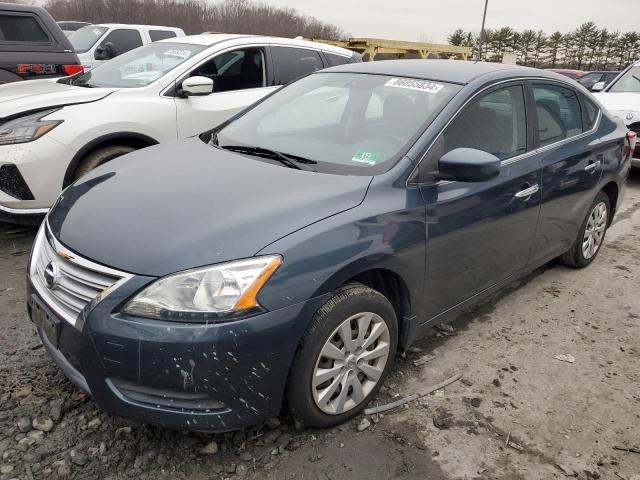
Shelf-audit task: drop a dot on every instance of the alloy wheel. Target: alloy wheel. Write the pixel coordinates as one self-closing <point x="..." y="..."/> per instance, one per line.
<point x="350" y="363"/>
<point x="594" y="231"/>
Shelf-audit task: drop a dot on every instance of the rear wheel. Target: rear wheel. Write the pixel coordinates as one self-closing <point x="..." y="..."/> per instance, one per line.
<point x="99" y="156"/>
<point x="343" y="358"/>
<point x="591" y="235"/>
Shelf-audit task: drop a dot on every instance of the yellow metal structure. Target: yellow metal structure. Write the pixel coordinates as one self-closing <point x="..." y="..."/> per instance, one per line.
<point x="371" y="47"/>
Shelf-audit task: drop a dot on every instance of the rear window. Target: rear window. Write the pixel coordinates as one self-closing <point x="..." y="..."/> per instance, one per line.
<point x="156" y="35"/>
<point x="21" y="28"/>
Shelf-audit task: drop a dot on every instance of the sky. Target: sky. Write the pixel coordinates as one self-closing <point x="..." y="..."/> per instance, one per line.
<point x="432" y="21"/>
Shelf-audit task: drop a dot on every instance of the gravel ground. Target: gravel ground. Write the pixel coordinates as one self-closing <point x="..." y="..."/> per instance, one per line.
<point x="517" y="413"/>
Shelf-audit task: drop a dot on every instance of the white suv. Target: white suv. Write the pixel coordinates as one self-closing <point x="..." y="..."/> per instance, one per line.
<point x="622" y="98"/>
<point x="54" y="131"/>
<point x="95" y="44"/>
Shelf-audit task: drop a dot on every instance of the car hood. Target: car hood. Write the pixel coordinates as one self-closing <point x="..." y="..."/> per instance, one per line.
<point x="186" y="204"/>
<point x="623" y="105"/>
<point x="19" y="97"/>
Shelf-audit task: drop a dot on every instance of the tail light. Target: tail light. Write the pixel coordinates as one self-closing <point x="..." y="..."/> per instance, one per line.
<point x="630" y="143"/>
<point x="72" y="69"/>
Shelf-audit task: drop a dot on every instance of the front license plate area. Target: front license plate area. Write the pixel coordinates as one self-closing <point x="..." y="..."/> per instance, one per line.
<point x="43" y="319"/>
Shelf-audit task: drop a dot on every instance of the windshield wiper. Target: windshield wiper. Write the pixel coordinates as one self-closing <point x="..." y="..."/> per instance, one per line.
<point x="291" y="161"/>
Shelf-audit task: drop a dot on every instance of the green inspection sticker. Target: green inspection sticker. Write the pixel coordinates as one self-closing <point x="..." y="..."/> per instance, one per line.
<point x="365" y="157"/>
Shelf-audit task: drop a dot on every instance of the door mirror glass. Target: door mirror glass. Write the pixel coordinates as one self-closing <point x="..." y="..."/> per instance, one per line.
<point x="197" y="86"/>
<point x="468" y="165"/>
<point x="106" y="51"/>
<point x="598" y="87"/>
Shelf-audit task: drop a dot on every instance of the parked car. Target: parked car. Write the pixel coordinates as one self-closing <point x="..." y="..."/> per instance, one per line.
<point x="589" y="79"/>
<point x="622" y="98"/>
<point x="56" y="132"/>
<point x="32" y="45"/>
<point x="292" y="250"/>
<point x="70" y="26"/>
<point x="573" y="74"/>
<point x="95" y="44"/>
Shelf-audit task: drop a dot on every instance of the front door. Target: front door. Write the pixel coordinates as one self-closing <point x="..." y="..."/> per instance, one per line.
<point x="480" y="233"/>
<point x="239" y="80"/>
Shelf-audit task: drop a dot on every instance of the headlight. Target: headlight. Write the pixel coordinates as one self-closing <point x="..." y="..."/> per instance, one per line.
<point x="205" y="294"/>
<point x="27" y="128"/>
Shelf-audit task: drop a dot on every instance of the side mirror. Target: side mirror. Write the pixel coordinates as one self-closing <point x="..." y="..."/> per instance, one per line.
<point x="598" y="87"/>
<point x="468" y="165"/>
<point x="196" y="87"/>
<point x="106" y="51"/>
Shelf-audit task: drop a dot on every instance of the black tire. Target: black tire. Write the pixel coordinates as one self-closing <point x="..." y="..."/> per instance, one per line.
<point x="575" y="257"/>
<point x="350" y="300"/>
<point x="99" y="156"/>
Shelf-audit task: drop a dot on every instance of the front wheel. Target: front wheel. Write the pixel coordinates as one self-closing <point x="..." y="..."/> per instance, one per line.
<point x="344" y="357"/>
<point x="591" y="234"/>
<point x="98" y="157"/>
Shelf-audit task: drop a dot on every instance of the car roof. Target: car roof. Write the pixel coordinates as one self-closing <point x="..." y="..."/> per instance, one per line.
<point x="116" y="25"/>
<point x="451" y="71"/>
<point x="209" y="39"/>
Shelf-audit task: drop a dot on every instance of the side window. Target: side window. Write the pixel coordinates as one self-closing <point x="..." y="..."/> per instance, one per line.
<point x="21" y="28"/>
<point x="235" y="70"/>
<point x="334" y="60"/>
<point x="123" y="40"/>
<point x="559" y="114"/>
<point x="292" y="63"/>
<point x="495" y="123"/>
<point x="156" y="35"/>
<point x="591" y="111"/>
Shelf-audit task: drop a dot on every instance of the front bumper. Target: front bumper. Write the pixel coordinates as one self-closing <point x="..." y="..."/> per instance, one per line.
<point x="41" y="164"/>
<point x="216" y="377"/>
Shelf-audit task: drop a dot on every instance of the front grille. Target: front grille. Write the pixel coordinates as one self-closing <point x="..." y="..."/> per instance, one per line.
<point x="67" y="282"/>
<point x="12" y="182"/>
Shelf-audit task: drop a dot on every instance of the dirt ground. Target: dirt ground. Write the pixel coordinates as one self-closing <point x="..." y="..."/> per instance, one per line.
<point x="518" y="412"/>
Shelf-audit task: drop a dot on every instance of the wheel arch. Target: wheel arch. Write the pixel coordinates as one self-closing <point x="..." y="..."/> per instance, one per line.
<point x="386" y="277"/>
<point x="135" y="140"/>
<point x="612" y="191"/>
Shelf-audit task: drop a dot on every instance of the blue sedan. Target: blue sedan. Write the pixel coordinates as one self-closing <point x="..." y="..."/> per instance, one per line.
<point x="285" y="256"/>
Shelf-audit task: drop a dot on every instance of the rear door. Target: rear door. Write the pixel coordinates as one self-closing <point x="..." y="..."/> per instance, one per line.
<point x="240" y="78"/>
<point x="571" y="157"/>
<point x="480" y="233"/>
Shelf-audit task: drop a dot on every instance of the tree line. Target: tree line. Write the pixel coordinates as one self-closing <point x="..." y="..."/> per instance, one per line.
<point x="586" y="48"/>
<point x="197" y="16"/>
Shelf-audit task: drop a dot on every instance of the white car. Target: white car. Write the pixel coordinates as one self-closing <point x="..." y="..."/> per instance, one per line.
<point x="54" y="131"/>
<point x="95" y="44"/>
<point x="622" y="98"/>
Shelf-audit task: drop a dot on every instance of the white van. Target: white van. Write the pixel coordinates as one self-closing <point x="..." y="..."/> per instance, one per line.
<point x="95" y="44"/>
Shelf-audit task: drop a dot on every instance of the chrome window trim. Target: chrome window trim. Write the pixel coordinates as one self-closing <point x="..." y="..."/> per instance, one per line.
<point x="23" y="211"/>
<point x="44" y="235"/>
<point x="516" y="158"/>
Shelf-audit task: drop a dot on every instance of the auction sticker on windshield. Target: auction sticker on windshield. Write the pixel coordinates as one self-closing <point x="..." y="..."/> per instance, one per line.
<point x="184" y="54"/>
<point x="413" y="84"/>
<point x="365" y="157"/>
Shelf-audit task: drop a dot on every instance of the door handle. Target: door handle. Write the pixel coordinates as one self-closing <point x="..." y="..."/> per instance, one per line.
<point x="527" y="192"/>
<point x="592" y="166"/>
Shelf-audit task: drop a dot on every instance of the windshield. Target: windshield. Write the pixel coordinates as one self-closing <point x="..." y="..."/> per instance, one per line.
<point x="341" y="123"/>
<point x="138" y="67"/>
<point x="86" y="37"/>
<point x="628" y="82"/>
